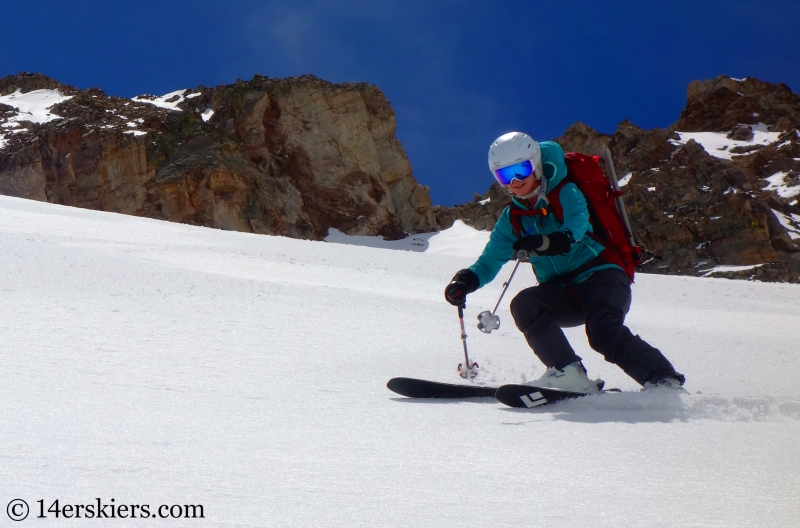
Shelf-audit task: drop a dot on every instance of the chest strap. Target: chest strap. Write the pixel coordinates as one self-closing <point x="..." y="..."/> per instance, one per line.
<point x="517" y="212"/>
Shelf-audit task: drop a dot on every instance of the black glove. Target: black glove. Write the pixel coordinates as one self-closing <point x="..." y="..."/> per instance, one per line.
<point x="556" y="243"/>
<point x="464" y="282"/>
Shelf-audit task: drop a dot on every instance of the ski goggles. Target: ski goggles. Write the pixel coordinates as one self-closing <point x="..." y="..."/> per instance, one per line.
<point x="519" y="171"/>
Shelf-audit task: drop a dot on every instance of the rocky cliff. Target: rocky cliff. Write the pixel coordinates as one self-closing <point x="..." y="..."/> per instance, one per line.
<point x="290" y="157"/>
<point x="715" y="194"/>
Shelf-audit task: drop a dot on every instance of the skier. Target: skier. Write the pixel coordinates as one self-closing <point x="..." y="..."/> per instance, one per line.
<point x="575" y="286"/>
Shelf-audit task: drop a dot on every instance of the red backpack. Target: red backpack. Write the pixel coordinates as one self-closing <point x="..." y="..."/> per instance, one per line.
<point x="608" y="226"/>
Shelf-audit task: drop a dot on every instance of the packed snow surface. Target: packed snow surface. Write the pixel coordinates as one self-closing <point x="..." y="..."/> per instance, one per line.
<point x="156" y="363"/>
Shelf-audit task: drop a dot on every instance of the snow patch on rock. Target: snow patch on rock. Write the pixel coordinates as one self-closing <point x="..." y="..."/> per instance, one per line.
<point x="724" y="269"/>
<point x="776" y="183"/>
<point x="790" y="222"/>
<point x="717" y="144"/>
<point x="169" y="101"/>
<point x="31" y="106"/>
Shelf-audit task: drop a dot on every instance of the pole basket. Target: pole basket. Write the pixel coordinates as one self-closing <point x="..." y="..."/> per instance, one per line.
<point x="468" y="372"/>
<point x="487" y="321"/>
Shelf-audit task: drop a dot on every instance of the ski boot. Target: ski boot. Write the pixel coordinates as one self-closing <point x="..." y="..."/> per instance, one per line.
<point x="572" y="378"/>
<point x="673" y="382"/>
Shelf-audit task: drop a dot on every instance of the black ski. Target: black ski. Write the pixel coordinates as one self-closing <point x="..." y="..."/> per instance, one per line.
<point x="529" y="396"/>
<point x="417" y="388"/>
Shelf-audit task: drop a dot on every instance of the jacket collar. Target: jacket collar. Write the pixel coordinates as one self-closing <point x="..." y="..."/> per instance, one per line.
<point x="538" y="201"/>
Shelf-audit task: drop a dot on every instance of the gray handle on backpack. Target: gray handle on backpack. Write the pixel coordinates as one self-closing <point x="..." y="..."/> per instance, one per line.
<point x="612" y="176"/>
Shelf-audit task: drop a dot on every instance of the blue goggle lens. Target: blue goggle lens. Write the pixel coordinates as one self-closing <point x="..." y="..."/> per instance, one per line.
<point x="519" y="171"/>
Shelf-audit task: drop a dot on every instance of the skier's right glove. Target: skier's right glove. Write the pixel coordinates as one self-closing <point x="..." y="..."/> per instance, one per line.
<point x="464" y="282"/>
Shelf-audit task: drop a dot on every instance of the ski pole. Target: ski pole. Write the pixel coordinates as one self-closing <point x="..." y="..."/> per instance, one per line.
<point x="488" y="321"/>
<point x="470" y="370"/>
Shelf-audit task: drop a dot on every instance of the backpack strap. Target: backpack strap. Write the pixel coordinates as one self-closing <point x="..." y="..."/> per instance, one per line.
<point x="517" y="212"/>
<point x="553" y="207"/>
<point x="585" y="172"/>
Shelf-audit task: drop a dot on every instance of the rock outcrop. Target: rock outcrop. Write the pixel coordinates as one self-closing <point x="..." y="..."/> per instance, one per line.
<point x="716" y="194"/>
<point x="291" y="157"/>
<point x="723" y="103"/>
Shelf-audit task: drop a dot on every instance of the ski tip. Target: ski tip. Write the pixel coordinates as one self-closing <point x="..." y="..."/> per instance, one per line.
<point x="403" y="386"/>
<point x="396" y="382"/>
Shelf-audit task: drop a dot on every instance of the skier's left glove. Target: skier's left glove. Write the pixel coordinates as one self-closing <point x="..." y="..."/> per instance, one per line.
<point x="556" y="243"/>
<point x="464" y="282"/>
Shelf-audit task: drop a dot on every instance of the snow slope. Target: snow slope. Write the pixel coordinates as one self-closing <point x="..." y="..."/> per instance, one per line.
<point x="156" y="363"/>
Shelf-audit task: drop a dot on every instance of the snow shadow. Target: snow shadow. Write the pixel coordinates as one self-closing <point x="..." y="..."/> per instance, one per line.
<point x="460" y="240"/>
<point x="419" y="242"/>
<point x="638" y="407"/>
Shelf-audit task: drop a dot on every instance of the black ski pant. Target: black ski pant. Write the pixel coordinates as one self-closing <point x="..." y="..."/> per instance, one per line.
<point x="601" y="302"/>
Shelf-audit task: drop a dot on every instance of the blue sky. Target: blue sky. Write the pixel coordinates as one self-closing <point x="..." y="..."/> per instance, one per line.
<point x="458" y="73"/>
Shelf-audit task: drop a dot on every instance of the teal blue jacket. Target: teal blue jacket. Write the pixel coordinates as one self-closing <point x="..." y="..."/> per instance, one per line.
<point x="499" y="249"/>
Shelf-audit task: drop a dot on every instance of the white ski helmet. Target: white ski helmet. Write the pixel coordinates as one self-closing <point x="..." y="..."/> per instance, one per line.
<point x="512" y="148"/>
